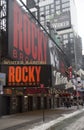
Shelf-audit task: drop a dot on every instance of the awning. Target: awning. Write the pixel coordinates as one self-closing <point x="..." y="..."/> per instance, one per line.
<point x="81" y="89"/>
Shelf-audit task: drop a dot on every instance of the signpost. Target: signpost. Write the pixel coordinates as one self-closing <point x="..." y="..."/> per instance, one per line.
<point x="42" y="87"/>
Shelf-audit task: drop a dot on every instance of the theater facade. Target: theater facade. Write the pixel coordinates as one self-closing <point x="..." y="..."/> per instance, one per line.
<point x="30" y="61"/>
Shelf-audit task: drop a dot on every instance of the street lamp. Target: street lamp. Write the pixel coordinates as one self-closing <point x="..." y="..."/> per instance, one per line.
<point x="52" y="91"/>
<point x="75" y="82"/>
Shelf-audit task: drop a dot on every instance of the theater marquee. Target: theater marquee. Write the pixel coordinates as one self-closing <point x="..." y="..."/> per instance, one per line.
<point x="28" y="75"/>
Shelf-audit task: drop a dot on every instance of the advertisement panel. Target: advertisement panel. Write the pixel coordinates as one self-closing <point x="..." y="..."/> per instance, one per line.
<point x="62" y="21"/>
<point x="54" y="59"/>
<point x="57" y="62"/>
<point x="26" y="40"/>
<point x="28" y="75"/>
<point x="2" y="81"/>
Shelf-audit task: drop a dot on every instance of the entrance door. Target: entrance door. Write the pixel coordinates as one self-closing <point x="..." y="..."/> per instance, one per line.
<point x="19" y="104"/>
<point x="38" y="102"/>
<point x="45" y="103"/>
<point x="5" y="105"/>
<point x="49" y="103"/>
<point x="30" y="103"/>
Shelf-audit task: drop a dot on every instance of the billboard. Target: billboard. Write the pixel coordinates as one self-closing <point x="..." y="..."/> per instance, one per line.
<point x="56" y="57"/>
<point x="28" y="75"/>
<point x="57" y="61"/>
<point x="26" y="41"/>
<point x="62" y="21"/>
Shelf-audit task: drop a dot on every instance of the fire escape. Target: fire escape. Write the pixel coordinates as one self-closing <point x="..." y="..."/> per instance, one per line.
<point x="3" y="27"/>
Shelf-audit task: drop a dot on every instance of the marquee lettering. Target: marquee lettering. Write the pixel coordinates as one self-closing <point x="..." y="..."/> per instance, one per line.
<point x="25" y="74"/>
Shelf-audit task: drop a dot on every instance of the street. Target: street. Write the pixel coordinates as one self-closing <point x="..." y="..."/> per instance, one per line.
<point x="34" y="119"/>
<point x="74" y="123"/>
<point x="55" y="119"/>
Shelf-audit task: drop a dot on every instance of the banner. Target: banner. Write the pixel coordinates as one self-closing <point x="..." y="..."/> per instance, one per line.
<point x="26" y="41"/>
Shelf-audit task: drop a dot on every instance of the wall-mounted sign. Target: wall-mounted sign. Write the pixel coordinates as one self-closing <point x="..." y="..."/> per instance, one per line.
<point x="28" y="75"/>
<point x="62" y="21"/>
<point x="26" y="41"/>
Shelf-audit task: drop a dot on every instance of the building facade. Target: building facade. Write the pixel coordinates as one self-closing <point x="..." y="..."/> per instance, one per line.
<point x="25" y="46"/>
<point x="62" y="16"/>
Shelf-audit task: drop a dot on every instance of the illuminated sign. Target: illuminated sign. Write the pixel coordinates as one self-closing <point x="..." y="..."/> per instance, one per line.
<point x="28" y="75"/>
<point x="24" y="74"/>
<point x="26" y="40"/>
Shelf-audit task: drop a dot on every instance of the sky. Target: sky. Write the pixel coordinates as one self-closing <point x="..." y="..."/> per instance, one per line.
<point x="80" y="19"/>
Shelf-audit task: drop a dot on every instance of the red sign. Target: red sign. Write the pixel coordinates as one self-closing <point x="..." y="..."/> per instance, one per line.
<point x="70" y="71"/>
<point x="26" y="40"/>
<point x="24" y="74"/>
<point x="36" y="90"/>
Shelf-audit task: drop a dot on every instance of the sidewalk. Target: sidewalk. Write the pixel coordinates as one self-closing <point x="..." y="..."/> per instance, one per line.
<point x="29" y="119"/>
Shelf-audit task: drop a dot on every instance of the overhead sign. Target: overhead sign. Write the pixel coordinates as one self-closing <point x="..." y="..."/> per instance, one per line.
<point x="28" y="75"/>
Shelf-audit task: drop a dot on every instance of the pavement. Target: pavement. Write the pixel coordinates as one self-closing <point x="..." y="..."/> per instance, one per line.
<point x="21" y="120"/>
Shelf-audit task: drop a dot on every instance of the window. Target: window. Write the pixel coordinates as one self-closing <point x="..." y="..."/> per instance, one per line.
<point x="47" y="16"/>
<point x="65" y="5"/>
<point x="52" y="11"/>
<point x="41" y="9"/>
<point x="47" y="12"/>
<point x="41" y="13"/>
<point x="65" y="36"/>
<point x="71" y="40"/>
<point x="57" y="2"/>
<point x="58" y="12"/>
<point x="47" y="7"/>
<point x="41" y="0"/>
<point x="64" y="1"/>
<point x="52" y="5"/>
<point x="65" y="9"/>
<point x="65" y="42"/>
<point x="71" y="35"/>
<point x="58" y="7"/>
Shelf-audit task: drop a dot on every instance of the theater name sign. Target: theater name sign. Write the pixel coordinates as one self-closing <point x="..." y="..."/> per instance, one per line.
<point x="27" y="75"/>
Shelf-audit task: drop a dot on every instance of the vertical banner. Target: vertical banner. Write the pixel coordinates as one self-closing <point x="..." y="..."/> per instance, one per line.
<point x="70" y="72"/>
<point x="54" y="58"/>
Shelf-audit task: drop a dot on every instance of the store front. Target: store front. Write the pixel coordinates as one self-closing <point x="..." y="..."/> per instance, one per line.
<point x="27" y="87"/>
